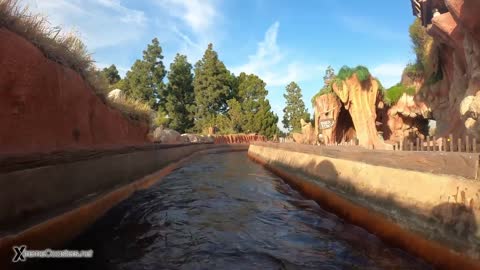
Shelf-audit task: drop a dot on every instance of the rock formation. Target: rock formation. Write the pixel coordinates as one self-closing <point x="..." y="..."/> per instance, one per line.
<point x="308" y="134"/>
<point x="455" y="99"/>
<point x="116" y="94"/>
<point x="161" y="135"/>
<point x="360" y="99"/>
<point x="45" y="106"/>
<point x="408" y="117"/>
<point x="333" y="122"/>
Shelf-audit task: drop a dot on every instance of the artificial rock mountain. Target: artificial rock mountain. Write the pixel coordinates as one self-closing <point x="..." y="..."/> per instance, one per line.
<point x="453" y="100"/>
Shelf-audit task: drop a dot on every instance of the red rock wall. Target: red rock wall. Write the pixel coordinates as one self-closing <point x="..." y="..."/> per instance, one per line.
<point x="327" y="106"/>
<point x="45" y="106"/>
<point x="455" y="100"/>
<point x="239" y="138"/>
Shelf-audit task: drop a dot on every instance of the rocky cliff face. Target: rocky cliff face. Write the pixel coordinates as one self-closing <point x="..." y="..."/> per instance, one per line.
<point x="354" y="111"/>
<point x="45" y="106"/>
<point x="455" y="99"/>
<point x="361" y="100"/>
<point x="332" y="120"/>
<point x="408" y="117"/>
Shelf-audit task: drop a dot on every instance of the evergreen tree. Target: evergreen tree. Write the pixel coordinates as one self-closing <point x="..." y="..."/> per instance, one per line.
<point x="145" y="79"/>
<point x="179" y="95"/>
<point x="213" y="87"/>
<point x="328" y="77"/>
<point x="294" y="109"/>
<point x="265" y="121"/>
<point x="257" y="114"/>
<point x="111" y="73"/>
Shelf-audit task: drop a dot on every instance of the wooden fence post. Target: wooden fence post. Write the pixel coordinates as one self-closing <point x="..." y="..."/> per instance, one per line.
<point x="450" y="137"/>
<point x="418" y="144"/>
<point x="428" y="143"/>
<point x="467" y="144"/>
<point x="474" y="144"/>
<point x="444" y="144"/>
<point x="411" y="146"/>
<point x="459" y="147"/>
<point x="434" y="144"/>
<point x="421" y="144"/>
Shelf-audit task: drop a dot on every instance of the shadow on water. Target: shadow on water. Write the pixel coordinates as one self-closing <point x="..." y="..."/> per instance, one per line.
<point x="225" y="212"/>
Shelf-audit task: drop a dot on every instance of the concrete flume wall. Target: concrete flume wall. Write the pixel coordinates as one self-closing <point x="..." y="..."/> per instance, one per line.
<point x="48" y="202"/>
<point x="427" y="214"/>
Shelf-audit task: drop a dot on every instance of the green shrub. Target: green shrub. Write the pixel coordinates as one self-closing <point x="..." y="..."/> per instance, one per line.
<point x="326" y="90"/>
<point x="346" y="72"/>
<point x="394" y="93"/>
<point x="363" y="73"/>
<point x="414" y="70"/>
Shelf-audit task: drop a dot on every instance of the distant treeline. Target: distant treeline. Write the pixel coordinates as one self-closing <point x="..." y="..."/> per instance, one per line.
<point x="207" y="95"/>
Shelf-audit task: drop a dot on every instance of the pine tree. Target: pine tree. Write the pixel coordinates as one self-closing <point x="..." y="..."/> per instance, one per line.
<point x="213" y="87"/>
<point x="294" y="109"/>
<point x="257" y="114"/>
<point x="111" y="73"/>
<point x="265" y="121"/>
<point x="328" y="77"/>
<point x="179" y="95"/>
<point x="145" y="79"/>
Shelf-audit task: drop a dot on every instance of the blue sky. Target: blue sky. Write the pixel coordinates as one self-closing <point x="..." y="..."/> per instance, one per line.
<point x="279" y="40"/>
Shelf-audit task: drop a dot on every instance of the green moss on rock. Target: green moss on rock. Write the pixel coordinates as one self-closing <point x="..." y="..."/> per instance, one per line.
<point x="394" y="93"/>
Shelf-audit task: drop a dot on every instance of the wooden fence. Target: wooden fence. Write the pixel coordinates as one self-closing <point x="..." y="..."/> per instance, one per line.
<point x="349" y="143"/>
<point x="433" y="144"/>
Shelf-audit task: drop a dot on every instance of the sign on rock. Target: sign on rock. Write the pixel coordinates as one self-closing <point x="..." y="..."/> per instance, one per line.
<point x="326" y="123"/>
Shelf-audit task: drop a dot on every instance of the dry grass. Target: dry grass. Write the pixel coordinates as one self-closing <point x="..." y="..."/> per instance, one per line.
<point x="63" y="48"/>
<point x="132" y="109"/>
<point x="66" y="49"/>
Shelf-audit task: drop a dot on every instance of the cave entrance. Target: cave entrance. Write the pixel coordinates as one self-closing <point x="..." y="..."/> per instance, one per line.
<point x="345" y="130"/>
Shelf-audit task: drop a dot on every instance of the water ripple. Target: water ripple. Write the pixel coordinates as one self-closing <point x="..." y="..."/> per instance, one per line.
<point x="225" y="212"/>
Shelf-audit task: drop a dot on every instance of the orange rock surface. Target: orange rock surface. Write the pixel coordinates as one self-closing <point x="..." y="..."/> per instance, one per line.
<point x="360" y="99"/>
<point x="455" y="100"/>
<point x="45" y="106"/>
<point x="408" y="118"/>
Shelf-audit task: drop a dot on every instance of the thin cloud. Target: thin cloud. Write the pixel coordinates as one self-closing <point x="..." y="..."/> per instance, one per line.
<point x="389" y="73"/>
<point x="270" y="64"/>
<point x="100" y="23"/>
<point x="199" y="15"/>
<point x="193" y="23"/>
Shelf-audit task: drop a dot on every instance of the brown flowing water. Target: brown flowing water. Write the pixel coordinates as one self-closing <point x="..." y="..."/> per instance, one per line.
<point x="223" y="211"/>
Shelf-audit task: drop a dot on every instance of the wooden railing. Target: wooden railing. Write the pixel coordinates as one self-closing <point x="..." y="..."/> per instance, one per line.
<point x="349" y="143"/>
<point x="449" y="144"/>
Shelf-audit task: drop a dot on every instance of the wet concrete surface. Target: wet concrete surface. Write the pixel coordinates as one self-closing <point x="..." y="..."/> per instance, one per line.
<point x="223" y="211"/>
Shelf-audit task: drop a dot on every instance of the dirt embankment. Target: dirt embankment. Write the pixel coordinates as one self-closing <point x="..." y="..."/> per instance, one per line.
<point x="45" y="106"/>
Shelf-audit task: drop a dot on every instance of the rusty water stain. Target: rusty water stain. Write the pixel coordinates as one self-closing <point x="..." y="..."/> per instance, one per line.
<point x="438" y="255"/>
<point x="62" y="228"/>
